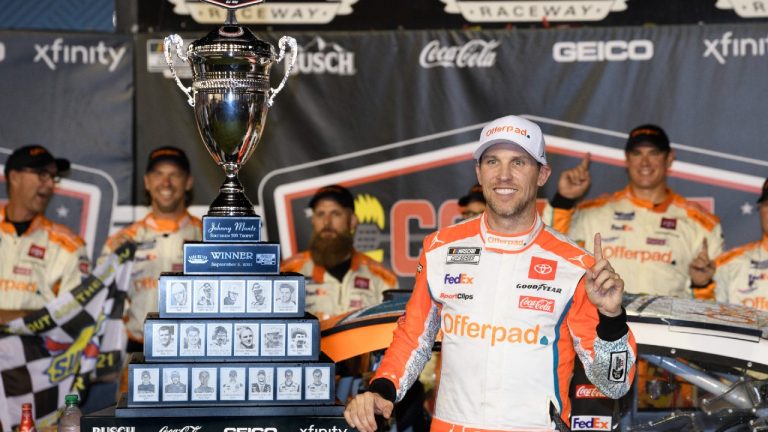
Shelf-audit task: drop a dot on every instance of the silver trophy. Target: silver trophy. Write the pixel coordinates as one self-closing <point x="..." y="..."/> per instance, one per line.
<point x="230" y="94"/>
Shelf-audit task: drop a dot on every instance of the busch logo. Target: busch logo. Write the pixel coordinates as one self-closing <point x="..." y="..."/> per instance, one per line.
<point x="460" y="279"/>
<point x="182" y="429"/>
<point x="475" y="53"/>
<point x="321" y="57"/>
<point x="588" y="391"/>
<point x="57" y="52"/>
<point x="537" y="304"/>
<point x="599" y="51"/>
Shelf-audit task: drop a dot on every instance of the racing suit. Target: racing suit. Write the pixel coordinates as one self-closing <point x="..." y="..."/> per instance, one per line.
<point x="742" y="275"/>
<point x="514" y="313"/>
<point x="327" y="296"/>
<point x="159" y="249"/>
<point x="35" y="267"/>
<point x="660" y="239"/>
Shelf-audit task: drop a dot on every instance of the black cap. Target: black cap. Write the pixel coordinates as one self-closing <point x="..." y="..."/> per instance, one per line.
<point x="334" y="192"/>
<point x="33" y="156"/>
<point x="764" y="194"/>
<point x="475" y="195"/>
<point x="648" y="134"/>
<point x="168" y="154"/>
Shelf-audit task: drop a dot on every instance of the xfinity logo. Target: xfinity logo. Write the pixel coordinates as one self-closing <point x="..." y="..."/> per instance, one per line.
<point x="727" y="46"/>
<point x="182" y="429"/>
<point x="321" y="57"/>
<point x="475" y="53"/>
<point x="57" y="53"/>
<point x="599" y="51"/>
<point x="312" y="428"/>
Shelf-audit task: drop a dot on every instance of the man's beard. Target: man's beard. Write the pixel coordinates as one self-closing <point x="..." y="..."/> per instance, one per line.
<point x="330" y="252"/>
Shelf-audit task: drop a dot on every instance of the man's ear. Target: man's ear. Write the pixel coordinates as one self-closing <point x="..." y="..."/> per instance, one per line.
<point x="353" y="222"/>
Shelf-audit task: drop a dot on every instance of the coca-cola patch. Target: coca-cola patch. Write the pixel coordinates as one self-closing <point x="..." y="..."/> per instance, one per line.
<point x="589" y="391"/>
<point x="36" y="251"/>
<point x="22" y="271"/>
<point x="536" y="303"/>
<point x="362" y="283"/>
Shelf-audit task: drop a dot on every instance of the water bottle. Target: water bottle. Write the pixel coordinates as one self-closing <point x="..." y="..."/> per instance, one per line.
<point x="70" y="416"/>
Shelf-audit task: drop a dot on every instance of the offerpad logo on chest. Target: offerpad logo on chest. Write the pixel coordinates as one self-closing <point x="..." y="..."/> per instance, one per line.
<point x="542" y="269"/>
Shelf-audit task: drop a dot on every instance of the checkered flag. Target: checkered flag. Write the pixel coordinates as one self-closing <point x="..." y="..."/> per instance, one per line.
<point x="56" y="350"/>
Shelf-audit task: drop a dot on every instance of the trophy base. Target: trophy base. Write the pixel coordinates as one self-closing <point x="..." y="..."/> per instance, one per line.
<point x="231" y="200"/>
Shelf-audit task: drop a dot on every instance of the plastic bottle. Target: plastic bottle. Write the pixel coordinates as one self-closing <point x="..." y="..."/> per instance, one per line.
<point x="70" y="416"/>
<point x="27" y="422"/>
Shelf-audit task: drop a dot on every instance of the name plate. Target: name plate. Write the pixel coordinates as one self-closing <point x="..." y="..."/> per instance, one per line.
<point x="231" y="296"/>
<point x="242" y="384"/>
<point x="209" y="340"/>
<point x="228" y="258"/>
<point x="240" y="229"/>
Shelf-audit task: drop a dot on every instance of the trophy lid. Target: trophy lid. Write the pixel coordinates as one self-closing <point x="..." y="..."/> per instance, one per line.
<point x="233" y="42"/>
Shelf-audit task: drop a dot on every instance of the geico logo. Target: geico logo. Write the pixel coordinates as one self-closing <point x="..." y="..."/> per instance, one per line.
<point x="459" y="279"/>
<point x="57" y="52"/>
<point x="636" y="255"/>
<point x="337" y="63"/>
<point x="2" y="51"/>
<point x="474" y="53"/>
<point x="462" y="325"/>
<point x="756" y="302"/>
<point x="601" y="423"/>
<point x="596" y="51"/>
<point x="251" y="429"/>
<point x="457" y="296"/>
<point x="113" y="429"/>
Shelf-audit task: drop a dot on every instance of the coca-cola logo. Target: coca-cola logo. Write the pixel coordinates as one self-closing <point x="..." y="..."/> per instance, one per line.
<point x="537" y="304"/>
<point x="182" y="429"/>
<point x="586" y="391"/>
<point x="474" y="53"/>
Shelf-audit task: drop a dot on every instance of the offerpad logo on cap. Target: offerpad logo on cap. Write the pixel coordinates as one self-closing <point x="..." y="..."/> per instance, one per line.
<point x="542" y="269"/>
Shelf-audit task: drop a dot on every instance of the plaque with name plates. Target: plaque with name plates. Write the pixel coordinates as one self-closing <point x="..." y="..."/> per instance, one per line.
<point x="232" y="229"/>
<point x="220" y="384"/>
<point x="206" y="340"/>
<point x="245" y="296"/>
<point x="231" y="258"/>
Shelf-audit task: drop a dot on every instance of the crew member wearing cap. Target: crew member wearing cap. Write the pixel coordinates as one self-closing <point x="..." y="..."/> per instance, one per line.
<point x="516" y="303"/>
<point x="39" y="259"/>
<point x="664" y="241"/>
<point x="160" y="235"/>
<point x="473" y="203"/>
<point x="742" y="273"/>
<point x="343" y="279"/>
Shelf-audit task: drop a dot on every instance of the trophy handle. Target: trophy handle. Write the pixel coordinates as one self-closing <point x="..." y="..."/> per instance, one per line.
<point x="281" y="44"/>
<point x="175" y="41"/>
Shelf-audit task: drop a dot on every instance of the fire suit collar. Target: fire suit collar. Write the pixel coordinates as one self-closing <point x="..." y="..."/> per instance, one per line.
<point x="37" y="222"/>
<point x="764" y="242"/>
<point x="513" y="243"/>
<point x="167" y="225"/>
<point x="660" y="207"/>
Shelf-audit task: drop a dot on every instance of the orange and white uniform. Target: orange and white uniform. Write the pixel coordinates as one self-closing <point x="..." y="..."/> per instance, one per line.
<point x="160" y="248"/>
<point x="514" y="314"/>
<point x="36" y="267"/>
<point x="650" y="246"/>
<point x="327" y="296"/>
<point x="742" y="275"/>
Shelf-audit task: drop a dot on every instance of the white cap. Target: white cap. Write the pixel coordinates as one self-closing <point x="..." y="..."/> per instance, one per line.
<point x="515" y="130"/>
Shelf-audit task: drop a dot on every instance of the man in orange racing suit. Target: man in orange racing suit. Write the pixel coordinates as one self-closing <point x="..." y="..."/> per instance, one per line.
<point x="39" y="259"/>
<point x="516" y="303"/>
<point x="160" y="235"/>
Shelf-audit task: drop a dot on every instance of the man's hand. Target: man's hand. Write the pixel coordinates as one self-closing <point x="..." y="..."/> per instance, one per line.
<point x="702" y="268"/>
<point x="361" y="410"/>
<point x="573" y="183"/>
<point x="605" y="287"/>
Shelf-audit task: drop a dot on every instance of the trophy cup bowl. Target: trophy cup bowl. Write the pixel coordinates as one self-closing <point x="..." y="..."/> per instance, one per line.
<point x="230" y="94"/>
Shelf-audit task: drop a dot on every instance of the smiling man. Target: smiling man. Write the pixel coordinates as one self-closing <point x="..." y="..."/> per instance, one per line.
<point x="160" y="235"/>
<point x="516" y="303"/>
<point x="39" y="259"/>
<point x="664" y="241"/>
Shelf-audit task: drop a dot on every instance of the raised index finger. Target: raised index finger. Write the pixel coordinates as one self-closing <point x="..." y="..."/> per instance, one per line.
<point x="705" y="248"/>
<point x="598" y="247"/>
<point x="585" y="161"/>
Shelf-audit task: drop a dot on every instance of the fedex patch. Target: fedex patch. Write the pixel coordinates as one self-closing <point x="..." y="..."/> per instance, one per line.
<point x="593" y="423"/>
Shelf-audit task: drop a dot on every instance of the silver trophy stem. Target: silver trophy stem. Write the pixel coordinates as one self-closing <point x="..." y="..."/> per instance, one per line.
<point x="231" y="200"/>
